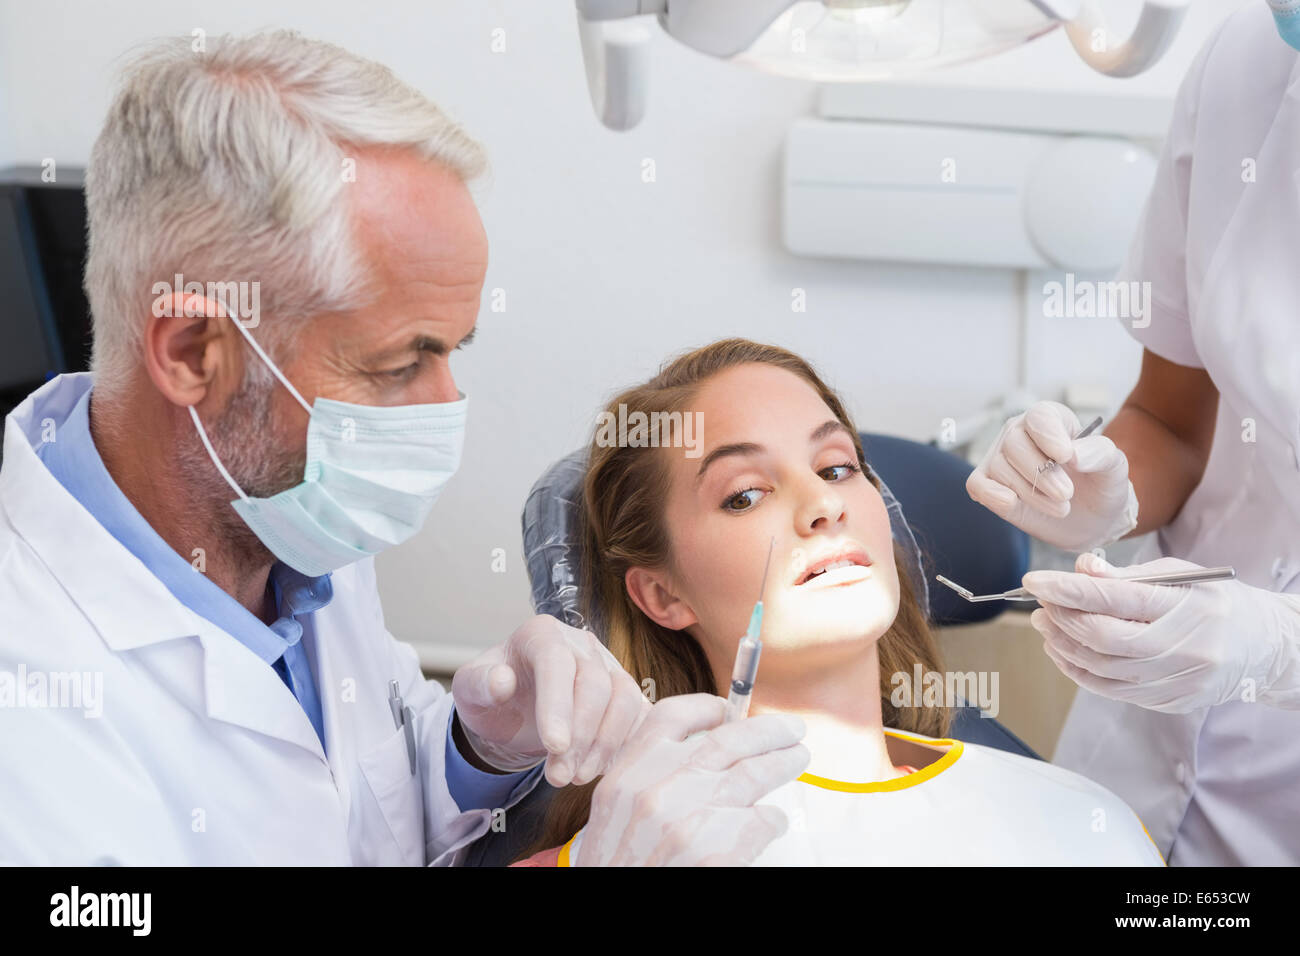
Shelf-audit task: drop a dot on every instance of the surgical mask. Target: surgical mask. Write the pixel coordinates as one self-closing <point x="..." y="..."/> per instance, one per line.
<point x="372" y="475"/>
<point x="1286" y="13"/>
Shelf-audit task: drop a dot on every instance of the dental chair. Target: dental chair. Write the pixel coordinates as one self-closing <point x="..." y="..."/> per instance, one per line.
<point x="959" y="539"/>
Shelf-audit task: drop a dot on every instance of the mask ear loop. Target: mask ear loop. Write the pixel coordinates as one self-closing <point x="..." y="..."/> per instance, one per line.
<point x="203" y="434"/>
<point x="269" y="364"/>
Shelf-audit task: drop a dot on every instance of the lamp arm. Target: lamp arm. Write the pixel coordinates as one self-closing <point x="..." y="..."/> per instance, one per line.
<point x="1085" y="25"/>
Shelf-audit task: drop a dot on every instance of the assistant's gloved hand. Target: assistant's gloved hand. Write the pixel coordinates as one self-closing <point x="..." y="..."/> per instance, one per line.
<point x="670" y="801"/>
<point x="1168" y="648"/>
<point x="550" y="692"/>
<point x="1085" y="502"/>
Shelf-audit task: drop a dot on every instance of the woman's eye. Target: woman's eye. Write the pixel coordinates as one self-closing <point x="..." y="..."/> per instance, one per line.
<point x="742" y="500"/>
<point x="840" y="472"/>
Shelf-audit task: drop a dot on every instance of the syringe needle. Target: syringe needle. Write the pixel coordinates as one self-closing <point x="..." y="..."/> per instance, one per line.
<point x="768" y="564"/>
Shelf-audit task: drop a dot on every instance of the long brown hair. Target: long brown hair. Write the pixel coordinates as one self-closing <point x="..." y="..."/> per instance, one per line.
<point x="623" y="527"/>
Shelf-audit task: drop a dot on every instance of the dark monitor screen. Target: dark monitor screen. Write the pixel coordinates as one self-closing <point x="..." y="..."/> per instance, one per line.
<point x="44" y="316"/>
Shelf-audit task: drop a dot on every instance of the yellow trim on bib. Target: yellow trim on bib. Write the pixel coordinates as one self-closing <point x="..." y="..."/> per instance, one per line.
<point x="1163" y="861"/>
<point x="563" y="859"/>
<point x="898" y="783"/>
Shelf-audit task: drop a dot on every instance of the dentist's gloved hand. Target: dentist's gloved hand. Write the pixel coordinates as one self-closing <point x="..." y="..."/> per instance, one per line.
<point x="550" y="692"/>
<point x="1168" y="648"/>
<point x="673" y="801"/>
<point x="1085" y="502"/>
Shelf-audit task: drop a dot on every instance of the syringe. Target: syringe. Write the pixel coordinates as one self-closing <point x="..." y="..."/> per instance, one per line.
<point x="746" y="666"/>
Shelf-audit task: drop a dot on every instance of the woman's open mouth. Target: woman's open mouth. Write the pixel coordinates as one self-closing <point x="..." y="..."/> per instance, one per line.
<point x="845" y="566"/>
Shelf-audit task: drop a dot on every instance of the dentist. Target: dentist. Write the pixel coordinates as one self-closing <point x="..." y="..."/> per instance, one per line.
<point x="1190" y="700"/>
<point x="194" y="667"/>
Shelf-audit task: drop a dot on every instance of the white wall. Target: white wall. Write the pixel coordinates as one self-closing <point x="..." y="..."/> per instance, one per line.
<point x="605" y="275"/>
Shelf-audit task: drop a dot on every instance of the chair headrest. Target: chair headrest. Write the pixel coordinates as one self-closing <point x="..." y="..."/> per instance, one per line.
<point x="551" y="546"/>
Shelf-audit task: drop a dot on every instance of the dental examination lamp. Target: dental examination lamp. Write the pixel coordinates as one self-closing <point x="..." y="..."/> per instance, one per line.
<point x="848" y="40"/>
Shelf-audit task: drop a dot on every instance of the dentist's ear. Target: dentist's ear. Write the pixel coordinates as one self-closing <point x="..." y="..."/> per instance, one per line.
<point x="191" y="349"/>
<point x="650" y="592"/>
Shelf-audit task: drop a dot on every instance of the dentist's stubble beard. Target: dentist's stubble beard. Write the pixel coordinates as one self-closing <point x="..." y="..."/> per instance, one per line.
<point x="250" y="450"/>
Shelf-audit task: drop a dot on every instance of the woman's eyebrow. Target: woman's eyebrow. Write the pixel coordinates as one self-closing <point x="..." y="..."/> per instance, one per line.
<point x="722" y="451"/>
<point x="826" y="429"/>
<point x="821" y="432"/>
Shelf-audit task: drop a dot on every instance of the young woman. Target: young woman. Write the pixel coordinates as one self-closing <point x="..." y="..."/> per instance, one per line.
<point x="674" y="544"/>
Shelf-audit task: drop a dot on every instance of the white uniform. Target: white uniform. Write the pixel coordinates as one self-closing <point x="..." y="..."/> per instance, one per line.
<point x="201" y="755"/>
<point x="972" y="806"/>
<point x="1220" y="244"/>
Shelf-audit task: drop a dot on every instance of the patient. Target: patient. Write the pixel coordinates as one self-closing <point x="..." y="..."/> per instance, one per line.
<point x="673" y="548"/>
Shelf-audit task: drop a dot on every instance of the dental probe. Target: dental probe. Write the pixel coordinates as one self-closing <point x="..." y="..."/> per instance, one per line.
<point x="746" y="667"/>
<point x="1195" y="576"/>
<point x="1051" y="462"/>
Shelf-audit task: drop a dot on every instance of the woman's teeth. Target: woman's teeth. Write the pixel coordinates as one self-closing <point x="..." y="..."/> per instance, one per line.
<point x="841" y="572"/>
<point x="831" y="567"/>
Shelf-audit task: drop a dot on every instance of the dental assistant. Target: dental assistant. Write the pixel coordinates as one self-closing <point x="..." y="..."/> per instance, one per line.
<point x="1189" y="707"/>
<point x="194" y="667"/>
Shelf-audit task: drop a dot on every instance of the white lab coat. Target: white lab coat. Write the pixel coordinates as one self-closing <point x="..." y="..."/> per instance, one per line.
<point x="1222" y="785"/>
<point x="202" y="755"/>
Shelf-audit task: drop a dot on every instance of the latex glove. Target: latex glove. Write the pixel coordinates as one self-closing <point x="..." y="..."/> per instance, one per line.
<point x="550" y="692"/>
<point x="1085" y="502"/>
<point x="1168" y="648"/>
<point x="673" y="801"/>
